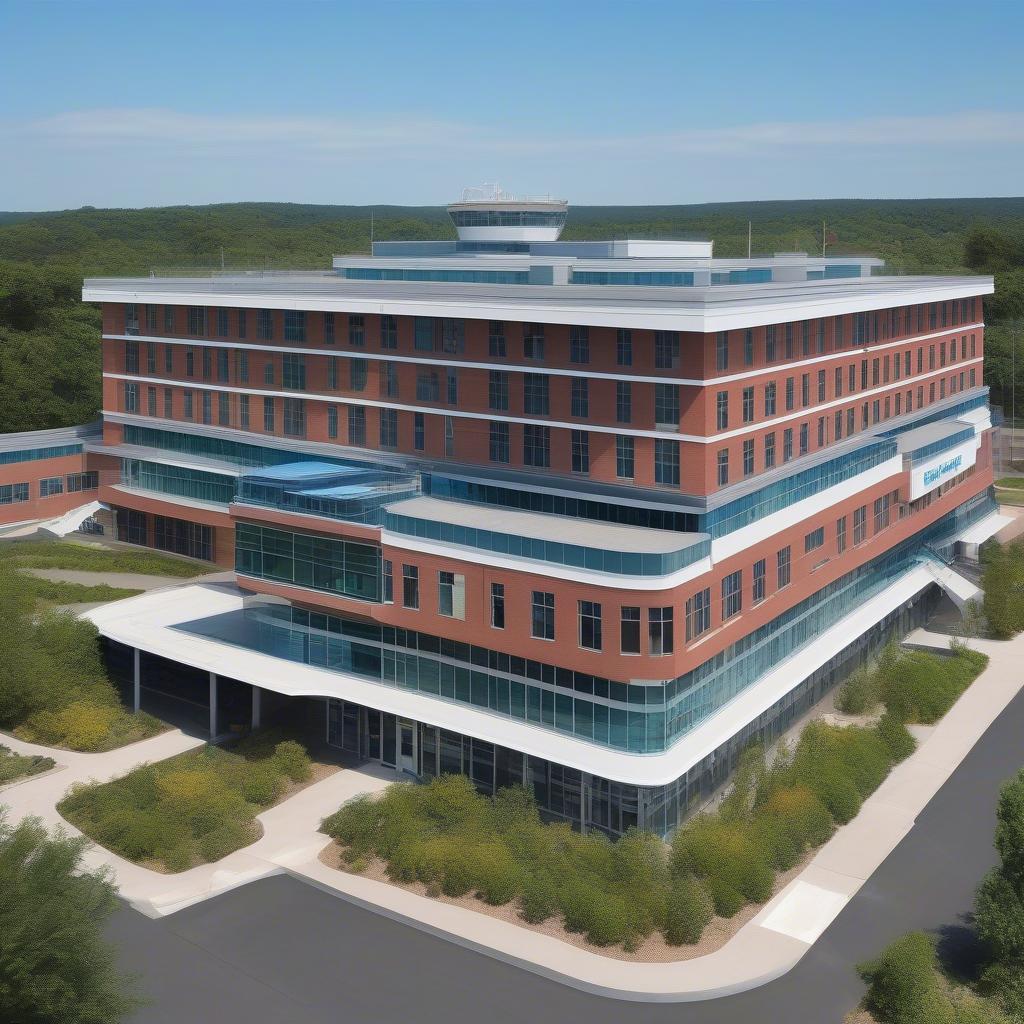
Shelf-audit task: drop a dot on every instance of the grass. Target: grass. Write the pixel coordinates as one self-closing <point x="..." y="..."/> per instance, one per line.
<point x="453" y="841"/>
<point x="15" y="766"/>
<point x="191" y="809"/>
<point x="61" y="592"/>
<point x="57" y="554"/>
<point x="1015" y="482"/>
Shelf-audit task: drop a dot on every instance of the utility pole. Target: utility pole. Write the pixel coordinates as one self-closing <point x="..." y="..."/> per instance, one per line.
<point x="750" y="234"/>
<point x="822" y="239"/>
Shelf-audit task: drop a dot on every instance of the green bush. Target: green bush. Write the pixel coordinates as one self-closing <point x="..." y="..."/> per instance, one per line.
<point x="896" y="737"/>
<point x="902" y="981"/>
<point x="499" y="879"/>
<point x="859" y="693"/>
<point x="539" y="898"/>
<point x="600" y="915"/>
<point x="725" y="853"/>
<point x="688" y="909"/>
<point x="291" y="759"/>
<point x="14" y="766"/>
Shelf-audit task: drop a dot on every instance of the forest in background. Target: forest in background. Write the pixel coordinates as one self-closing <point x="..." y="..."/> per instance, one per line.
<point x="49" y="339"/>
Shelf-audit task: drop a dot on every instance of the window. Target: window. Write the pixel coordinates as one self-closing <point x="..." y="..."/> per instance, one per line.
<point x="388" y="580"/>
<point x="499" y="443"/>
<point x="769" y="343"/>
<point x="814" y="540"/>
<point x="169" y="359"/>
<point x="590" y="625"/>
<point x="666" y="405"/>
<point x="418" y="431"/>
<point x="579" y="345"/>
<point x="860" y="524"/>
<point x="356" y="330"/>
<point x="11" y="493"/>
<point x="496" y="346"/>
<point x="169" y="403"/>
<point x="698" y="614"/>
<point x="389" y="331"/>
<point x="268" y="374"/>
<point x="535" y="394"/>
<point x="629" y="630"/>
<point x="580" y="442"/>
<point x="748" y="347"/>
<point x="294" y="325"/>
<point x="497" y="390"/>
<point x="722" y="410"/>
<point x="841" y="534"/>
<point x="50" y="486"/>
<point x="197" y="320"/>
<point x="453" y="335"/>
<point x="427" y="387"/>
<point x="757" y="593"/>
<point x="241" y="323"/>
<point x="769" y="398"/>
<point x="452" y="386"/>
<point x="131" y="357"/>
<point x="168" y="319"/>
<point x="293" y="371"/>
<point x="295" y="417"/>
<point x="748" y="457"/>
<point x="805" y="337"/>
<point x="659" y="631"/>
<point x="624" y="457"/>
<point x="268" y="415"/>
<point x="332" y="420"/>
<point x="536" y="446"/>
<point x="769" y="450"/>
<point x="789" y="341"/>
<point x="783" y="567"/>
<point x="805" y="390"/>
<point x="150" y="401"/>
<point x="881" y="513"/>
<point x="787" y="444"/>
<point x="356" y="424"/>
<point x="789" y="393"/>
<point x="207" y="406"/>
<point x="223" y="367"/>
<point x="357" y="374"/>
<point x="623" y="401"/>
<point x="821" y="385"/>
<point x="804" y="438"/>
<point x="748" y="405"/>
<point x="187" y="404"/>
<point x="732" y="594"/>
<point x="498" y="605"/>
<point x="332" y="372"/>
<point x="666" y="350"/>
<point x="666" y="462"/>
<point x="264" y="325"/>
<point x="533" y="341"/>
<point x="207" y="364"/>
<point x="580" y="397"/>
<point x="83" y="481"/>
<point x="423" y="334"/>
<point x="150" y="358"/>
<point x="723" y="466"/>
<point x="389" y="428"/>
<point x="329" y="328"/>
<point x="451" y="594"/>
<point x="624" y="347"/>
<point x="542" y="617"/>
<point x="722" y="351"/>
<point x="410" y="586"/>
<point x="131" y="397"/>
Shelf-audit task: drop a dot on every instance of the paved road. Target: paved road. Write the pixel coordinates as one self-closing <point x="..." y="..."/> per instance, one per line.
<point x="281" y="951"/>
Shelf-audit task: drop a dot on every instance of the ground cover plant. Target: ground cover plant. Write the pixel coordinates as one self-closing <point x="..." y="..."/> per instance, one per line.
<point x="60" y="554"/>
<point x="15" y="766"/>
<point x="191" y="809"/>
<point x="54" y="688"/>
<point x="457" y="842"/>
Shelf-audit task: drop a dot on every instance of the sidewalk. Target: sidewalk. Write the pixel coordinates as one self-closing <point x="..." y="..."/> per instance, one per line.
<point x="768" y="946"/>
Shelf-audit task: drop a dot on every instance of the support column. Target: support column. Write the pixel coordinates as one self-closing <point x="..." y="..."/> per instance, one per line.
<point x="256" y="692"/>
<point x="213" y="705"/>
<point x="137" y="693"/>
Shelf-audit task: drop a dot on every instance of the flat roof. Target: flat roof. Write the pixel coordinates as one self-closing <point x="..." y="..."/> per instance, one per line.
<point x="918" y="437"/>
<point x="29" y="439"/>
<point x="300" y="470"/>
<point x="587" y="533"/>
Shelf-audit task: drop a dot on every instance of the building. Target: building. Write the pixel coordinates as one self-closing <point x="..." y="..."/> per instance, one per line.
<point x="584" y="515"/>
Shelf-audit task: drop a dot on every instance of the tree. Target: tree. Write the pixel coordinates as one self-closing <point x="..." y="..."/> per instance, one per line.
<point x="902" y="982"/>
<point x="55" y="967"/>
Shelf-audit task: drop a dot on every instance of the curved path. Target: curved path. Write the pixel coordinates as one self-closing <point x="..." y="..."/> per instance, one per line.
<point x="279" y="950"/>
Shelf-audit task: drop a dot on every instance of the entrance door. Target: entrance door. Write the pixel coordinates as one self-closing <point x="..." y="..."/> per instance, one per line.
<point x="406" y="746"/>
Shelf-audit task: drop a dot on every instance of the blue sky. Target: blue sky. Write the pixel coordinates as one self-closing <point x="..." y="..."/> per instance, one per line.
<point x="147" y="103"/>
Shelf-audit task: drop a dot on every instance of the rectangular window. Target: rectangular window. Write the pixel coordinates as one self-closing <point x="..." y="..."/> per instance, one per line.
<point x="223" y="365"/>
<point x="660" y="638"/>
<point x="841" y="534"/>
<point x="769" y="450"/>
<point x="536" y="446"/>
<point x="732" y="594"/>
<point x="580" y="441"/>
<point x="294" y="417"/>
<point x="241" y="320"/>
<point x="748" y="457"/>
<point x="769" y="398"/>
<point x="131" y="396"/>
<point x="624" y="457"/>
<point x="723" y="466"/>
<point x="624" y="347"/>
<point x="589" y="625"/>
<point x="580" y="404"/>
<point x="757" y="593"/>
<point x="623" y="401"/>
<point x="427" y="387"/>
<point x="860" y="524"/>
<point x="498" y="605"/>
<point x="357" y="330"/>
<point x="579" y="345"/>
<point x="804" y="438"/>
<point x="787" y="444"/>
<point x="666" y="406"/>
<point x="698" y="614"/>
<point x="542" y="617"/>
<point x="535" y="394"/>
<point x="748" y="347"/>
<point x="265" y="325"/>
<point x="387" y="572"/>
<point x="533" y="341"/>
<point x="268" y="415"/>
<point x="389" y="331"/>
<point x="769" y="343"/>
<point x="497" y="390"/>
<point x="789" y="341"/>
<point x="499" y="442"/>
<point x="188" y="411"/>
<point x="332" y="421"/>
<point x="357" y="374"/>
<point x="783" y="567"/>
<point x="722" y="350"/>
<point x="207" y="364"/>
<point x="821" y="385"/>
<point x="722" y="410"/>
<point x="666" y="350"/>
<point x="423" y="334"/>
<point x="78" y="481"/>
<point x="131" y="357"/>
<point x="881" y="513"/>
<point x="666" y="462"/>
<point x="294" y="325"/>
<point x="197" y="320"/>
<point x="150" y="358"/>
<point x="356" y="425"/>
<point x="293" y="371"/>
<point x="805" y="390"/>
<point x="168" y="404"/>
<point x="168" y="359"/>
<point x="150" y="401"/>
<point x="329" y="328"/>
<point x="451" y="594"/>
<point x="789" y="394"/>
<point x="748" y="405"/>
<point x="814" y="540"/>
<point x="224" y="409"/>
<point x="418" y="431"/>
<point x="389" y="428"/>
<point x="50" y="486"/>
<point x="629" y="630"/>
<point x="207" y="406"/>
<point x="332" y="372"/>
<point x="168" y="319"/>
<point x="496" y="346"/>
<point x="410" y="586"/>
<point x="452" y="386"/>
<point x="453" y="335"/>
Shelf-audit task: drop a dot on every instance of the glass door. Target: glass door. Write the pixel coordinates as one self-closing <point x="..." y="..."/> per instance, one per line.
<point x="407" y="746"/>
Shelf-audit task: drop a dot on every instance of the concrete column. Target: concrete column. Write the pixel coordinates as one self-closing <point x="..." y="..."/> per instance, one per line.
<point x="256" y="692"/>
<point x="137" y="694"/>
<point x="213" y="705"/>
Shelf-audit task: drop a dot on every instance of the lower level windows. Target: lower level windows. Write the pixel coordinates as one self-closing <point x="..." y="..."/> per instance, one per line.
<point x="783" y="567"/>
<point x="666" y="462"/>
<point x="451" y="594"/>
<point x="11" y="493"/>
<point x="542" y="616"/>
<point x="50" y="486"/>
<point x="732" y="594"/>
<point x="499" y="442"/>
<point x="498" y="605"/>
<point x="758" y="590"/>
<point x="590" y="625"/>
<point x="536" y="446"/>
<point x="814" y="540"/>
<point x="698" y="614"/>
<point x="629" y="630"/>
<point x="625" y="458"/>
<point x="659" y="631"/>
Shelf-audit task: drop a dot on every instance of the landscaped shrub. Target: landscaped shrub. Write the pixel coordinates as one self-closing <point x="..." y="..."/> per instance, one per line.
<point x="688" y="909"/>
<point x="789" y="821"/>
<point x="859" y="693"/>
<point x="499" y="879"/>
<point x="903" y="985"/>
<point x="1003" y="585"/>
<point x="896" y="737"/>
<point x="539" y="898"/>
<point x="14" y="766"/>
<point x="292" y="760"/>
<point x="924" y="686"/>
<point x="600" y="915"/>
<point x="726" y="854"/>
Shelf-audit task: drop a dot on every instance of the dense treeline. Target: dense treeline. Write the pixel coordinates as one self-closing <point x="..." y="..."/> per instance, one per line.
<point x="49" y="347"/>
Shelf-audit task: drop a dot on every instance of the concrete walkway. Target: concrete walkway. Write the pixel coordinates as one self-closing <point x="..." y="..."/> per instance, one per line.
<point x="765" y="948"/>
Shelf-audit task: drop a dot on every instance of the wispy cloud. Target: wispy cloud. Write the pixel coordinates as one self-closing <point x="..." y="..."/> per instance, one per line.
<point x="340" y="137"/>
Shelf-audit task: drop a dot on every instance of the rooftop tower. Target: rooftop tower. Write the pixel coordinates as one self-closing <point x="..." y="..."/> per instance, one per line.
<point x="486" y="213"/>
